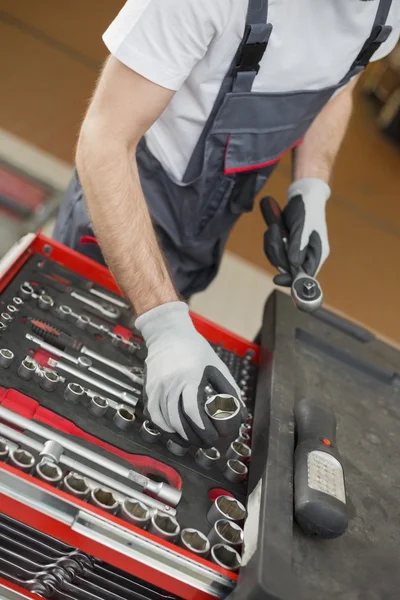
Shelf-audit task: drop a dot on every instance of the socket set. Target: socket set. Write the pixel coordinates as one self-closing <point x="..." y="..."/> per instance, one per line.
<point x="72" y="368"/>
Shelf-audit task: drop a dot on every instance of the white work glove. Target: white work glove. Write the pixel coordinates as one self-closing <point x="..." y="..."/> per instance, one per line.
<point x="180" y="364"/>
<point x="305" y="221"/>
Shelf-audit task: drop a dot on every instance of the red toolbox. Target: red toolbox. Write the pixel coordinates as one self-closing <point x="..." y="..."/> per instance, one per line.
<point x="41" y="511"/>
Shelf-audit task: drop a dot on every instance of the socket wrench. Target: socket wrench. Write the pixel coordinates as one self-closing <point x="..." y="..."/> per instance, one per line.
<point x="226" y="557"/>
<point x="195" y="541"/>
<point x="81" y="361"/>
<point x="161" y="490"/>
<point x="226" y="532"/>
<point x="106" y="310"/>
<point x="228" y="508"/>
<point x="76" y="466"/>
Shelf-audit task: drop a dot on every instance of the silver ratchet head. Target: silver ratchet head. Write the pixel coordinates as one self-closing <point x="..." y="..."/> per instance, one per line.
<point x="307" y="293"/>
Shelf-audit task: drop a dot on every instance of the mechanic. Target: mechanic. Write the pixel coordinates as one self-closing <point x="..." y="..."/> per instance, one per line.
<point x="193" y="110"/>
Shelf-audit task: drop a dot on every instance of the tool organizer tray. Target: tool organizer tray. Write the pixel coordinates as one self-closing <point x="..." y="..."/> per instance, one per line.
<point x="54" y="271"/>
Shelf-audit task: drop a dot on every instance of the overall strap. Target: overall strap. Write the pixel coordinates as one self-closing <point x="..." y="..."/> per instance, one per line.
<point x="379" y="34"/>
<point x="253" y="46"/>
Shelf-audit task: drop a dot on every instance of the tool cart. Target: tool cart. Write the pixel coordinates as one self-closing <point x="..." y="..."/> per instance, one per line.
<point x="93" y="502"/>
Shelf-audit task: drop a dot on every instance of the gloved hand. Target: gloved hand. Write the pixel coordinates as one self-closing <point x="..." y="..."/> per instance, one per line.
<point x="305" y="222"/>
<point x="180" y="364"/>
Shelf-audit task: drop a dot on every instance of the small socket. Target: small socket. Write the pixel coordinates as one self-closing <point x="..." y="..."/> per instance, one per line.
<point x="22" y="460"/>
<point x="6" y="358"/>
<point x="82" y="322"/>
<point x="226" y="532"/>
<point x="5" y="318"/>
<point x="52" y="451"/>
<point x="64" y="312"/>
<point x="45" y="302"/>
<point x="76" y="485"/>
<point x="235" y="471"/>
<point x="243" y="438"/>
<point x="228" y="508"/>
<point x="49" y="381"/>
<point x="12" y="310"/>
<point x="27" y="368"/>
<point x="164" y="526"/>
<point x="195" y="541"/>
<point x="226" y="557"/>
<point x="149" y="433"/>
<point x="98" y="406"/>
<point x="245" y="428"/>
<point x="4" y="450"/>
<point x="104" y="499"/>
<point x="176" y="449"/>
<point x="17" y="301"/>
<point x="26" y="291"/>
<point x="2" y="328"/>
<point x="73" y="393"/>
<point x="239" y="451"/>
<point x="207" y="457"/>
<point x="49" y="472"/>
<point x="124" y="418"/>
<point x="135" y="512"/>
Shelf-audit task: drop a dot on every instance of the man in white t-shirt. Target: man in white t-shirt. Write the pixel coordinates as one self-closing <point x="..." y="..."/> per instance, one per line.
<point x="194" y="108"/>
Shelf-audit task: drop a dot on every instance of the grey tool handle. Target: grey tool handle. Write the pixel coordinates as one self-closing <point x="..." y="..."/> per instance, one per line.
<point x="319" y="485"/>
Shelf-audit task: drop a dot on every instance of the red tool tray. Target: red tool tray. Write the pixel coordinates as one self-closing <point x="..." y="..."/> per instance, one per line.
<point x="84" y="526"/>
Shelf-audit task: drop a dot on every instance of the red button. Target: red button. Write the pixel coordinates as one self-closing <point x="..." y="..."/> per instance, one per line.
<point x="326" y="442"/>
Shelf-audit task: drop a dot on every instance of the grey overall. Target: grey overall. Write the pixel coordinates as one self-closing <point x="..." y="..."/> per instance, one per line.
<point x="244" y="138"/>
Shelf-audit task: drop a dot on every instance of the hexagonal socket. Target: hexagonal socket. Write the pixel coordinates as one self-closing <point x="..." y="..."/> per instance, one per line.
<point x="164" y="526"/>
<point x="228" y="508"/>
<point x="98" y="406"/>
<point x="235" y="471"/>
<point x="22" y="460"/>
<point x="124" y="418"/>
<point x="149" y="433"/>
<point x="223" y="410"/>
<point x="226" y="532"/>
<point x="239" y="451"/>
<point x="135" y="512"/>
<point x="195" y="541"/>
<point x="76" y="485"/>
<point x="73" y="393"/>
<point x="104" y="499"/>
<point x="27" y="368"/>
<point x="49" y="472"/>
<point x="207" y="457"/>
<point x="226" y="557"/>
<point x="6" y="358"/>
<point x="49" y="381"/>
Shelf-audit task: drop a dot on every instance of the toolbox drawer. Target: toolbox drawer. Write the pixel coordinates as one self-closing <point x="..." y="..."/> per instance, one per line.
<point x="48" y="509"/>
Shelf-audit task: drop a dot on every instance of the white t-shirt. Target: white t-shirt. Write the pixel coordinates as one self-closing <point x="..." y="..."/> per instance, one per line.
<point x="188" y="46"/>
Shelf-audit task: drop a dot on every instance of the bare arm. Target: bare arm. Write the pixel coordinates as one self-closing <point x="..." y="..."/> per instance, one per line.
<point x="123" y="108"/>
<point x="316" y="156"/>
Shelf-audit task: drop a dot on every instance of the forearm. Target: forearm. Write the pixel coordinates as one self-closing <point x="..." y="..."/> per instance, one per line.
<point x="316" y="156"/>
<point x="121" y="220"/>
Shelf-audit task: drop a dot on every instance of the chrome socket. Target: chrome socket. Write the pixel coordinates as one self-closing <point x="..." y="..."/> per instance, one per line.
<point x="6" y="358"/>
<point x="207" y="457"/>
<point x="245" y="428"/>
<point x="135" y="512"/>
<point x="3" y="328"/>
<point x="226" y="532"/>
<point x="64" y="312"/>
<point x="45" y="302"/>
<point x="5" y="318"/>
<point x="52" y="451"/>
<point x="76" y="485"/>
<point x="239" y="451"/>
<point x="226" y="557"/>
<point x="22" y="460"/>
<point x="243" y="438"/>
<point x="235" y="471"/>
<point x="164" y="527"/>
<point x="27" y="368"/>
<point x="222" y="409"/>
<point x="98" y="406"/>
<point x="82" y="322"/>
<point x="4" y="450"/>
<point x="228" y="508"/>
<point x="124" y="418"/>
<point x="17" y="302"/>
<point x="176" y="449"/>
<point x="149" y="433"/>
<point x="73" y="393"/>
<point x="26" y="291"/>
<point x="104" y="499"/>
<point x="195" y="541"/>
<point x="49" y="472"/>
<point x="49" y="381"/>
<point x="12" y="310"/>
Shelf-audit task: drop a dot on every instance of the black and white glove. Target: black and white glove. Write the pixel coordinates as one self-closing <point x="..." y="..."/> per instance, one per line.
<point x="180" y="364"/>
<point x="304" y="219"/>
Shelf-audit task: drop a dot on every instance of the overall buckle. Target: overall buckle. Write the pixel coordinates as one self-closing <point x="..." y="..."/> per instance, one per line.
<point x="251" y="53"/>
<point x="379" y="35"/>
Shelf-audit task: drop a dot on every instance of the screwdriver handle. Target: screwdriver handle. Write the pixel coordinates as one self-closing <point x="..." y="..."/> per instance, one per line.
<point x="314" y="422"/>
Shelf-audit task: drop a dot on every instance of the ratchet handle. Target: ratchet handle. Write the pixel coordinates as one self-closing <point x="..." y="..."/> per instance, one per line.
<point x="314" y="422"/>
